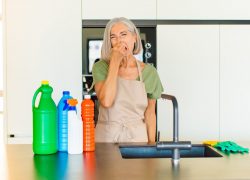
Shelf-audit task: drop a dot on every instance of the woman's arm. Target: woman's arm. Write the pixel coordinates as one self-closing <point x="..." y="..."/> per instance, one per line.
<point x="106" y="90"/>
<point x="150" y="120"/>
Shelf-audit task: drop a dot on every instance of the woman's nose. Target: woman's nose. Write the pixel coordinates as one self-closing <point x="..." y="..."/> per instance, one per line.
<point x="119" y="39"/>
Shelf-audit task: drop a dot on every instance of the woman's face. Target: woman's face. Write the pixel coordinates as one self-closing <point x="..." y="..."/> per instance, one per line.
<point x="120" y="34"/>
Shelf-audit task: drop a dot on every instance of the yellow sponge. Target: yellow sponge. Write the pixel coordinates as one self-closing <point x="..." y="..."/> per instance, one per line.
<point x="210" y="143"/>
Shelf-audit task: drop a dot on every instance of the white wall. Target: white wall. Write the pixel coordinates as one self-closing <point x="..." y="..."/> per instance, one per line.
<point x="43" y="41"/>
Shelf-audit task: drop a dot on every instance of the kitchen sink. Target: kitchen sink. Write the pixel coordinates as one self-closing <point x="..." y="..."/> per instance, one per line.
<point x="150" y="151"/>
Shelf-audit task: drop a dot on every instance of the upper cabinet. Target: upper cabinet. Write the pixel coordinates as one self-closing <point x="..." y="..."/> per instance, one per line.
<point x="203" y="9"/>
<point x="132" y="9"/>
<point x="167" y="9"/>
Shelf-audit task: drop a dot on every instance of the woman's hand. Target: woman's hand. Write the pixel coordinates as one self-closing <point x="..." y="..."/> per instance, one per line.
<point x="119" y="54"/>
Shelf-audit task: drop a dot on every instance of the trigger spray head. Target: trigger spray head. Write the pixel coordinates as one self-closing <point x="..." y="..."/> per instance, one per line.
<point x="72" y="102"/>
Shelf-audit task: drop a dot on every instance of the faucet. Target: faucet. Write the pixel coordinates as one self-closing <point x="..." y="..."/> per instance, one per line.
<point x="174" y="145"/>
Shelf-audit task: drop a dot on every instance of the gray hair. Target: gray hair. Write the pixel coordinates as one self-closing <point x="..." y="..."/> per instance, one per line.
<point x="106" y="46"/>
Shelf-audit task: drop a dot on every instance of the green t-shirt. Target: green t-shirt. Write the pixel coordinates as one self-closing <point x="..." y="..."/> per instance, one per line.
<point x="150" y="78"/>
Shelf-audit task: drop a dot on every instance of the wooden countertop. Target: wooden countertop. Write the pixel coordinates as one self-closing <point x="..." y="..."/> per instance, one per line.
<point x="106" y="163"/>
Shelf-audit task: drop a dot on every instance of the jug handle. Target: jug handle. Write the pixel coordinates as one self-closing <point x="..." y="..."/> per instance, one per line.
<point x="34" y="97"/>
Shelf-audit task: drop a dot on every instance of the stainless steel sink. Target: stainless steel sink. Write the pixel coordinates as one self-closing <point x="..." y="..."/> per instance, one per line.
<point x="150" y="151"/>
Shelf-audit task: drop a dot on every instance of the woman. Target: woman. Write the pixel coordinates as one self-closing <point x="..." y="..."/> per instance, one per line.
<point x="126" y="88"/>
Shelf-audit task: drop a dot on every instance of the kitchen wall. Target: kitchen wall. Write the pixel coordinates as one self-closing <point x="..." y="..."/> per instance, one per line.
<point x="204" y="66"/>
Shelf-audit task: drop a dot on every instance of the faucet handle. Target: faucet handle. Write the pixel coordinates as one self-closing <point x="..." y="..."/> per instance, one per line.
<point x="158" y="136"/>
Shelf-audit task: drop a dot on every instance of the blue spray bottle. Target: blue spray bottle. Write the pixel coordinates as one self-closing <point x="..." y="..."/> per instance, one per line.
<point x="62" y="115"/>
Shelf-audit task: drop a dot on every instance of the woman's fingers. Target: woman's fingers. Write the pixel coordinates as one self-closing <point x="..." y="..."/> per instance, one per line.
<point x="121" y="47"/>
<point x="119" y="50"/>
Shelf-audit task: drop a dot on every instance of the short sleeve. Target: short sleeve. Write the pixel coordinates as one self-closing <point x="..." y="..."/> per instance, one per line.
<point x="152" y="82"/>
<point x="99" y="71"/>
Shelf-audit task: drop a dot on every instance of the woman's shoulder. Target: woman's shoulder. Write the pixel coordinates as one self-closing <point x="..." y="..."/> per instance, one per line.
<point x="150" y="74"/>
<point x="149" y="69"/>
<point x="152" y="81"/>
<point x="100" y="71"/>
<point x="101" y="63"/>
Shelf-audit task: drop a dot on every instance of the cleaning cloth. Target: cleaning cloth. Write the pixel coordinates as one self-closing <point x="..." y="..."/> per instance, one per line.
<point x="229" y="146"/>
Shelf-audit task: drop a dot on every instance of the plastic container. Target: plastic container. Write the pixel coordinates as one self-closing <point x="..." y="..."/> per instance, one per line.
<point x="44" y="121"/>
<point x="62" y="116"/>
<point x="88" y="124"/>
<point x="75" y="142"/>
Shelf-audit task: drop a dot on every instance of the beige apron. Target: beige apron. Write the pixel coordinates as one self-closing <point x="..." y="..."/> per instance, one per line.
<point x="124" y="120"/>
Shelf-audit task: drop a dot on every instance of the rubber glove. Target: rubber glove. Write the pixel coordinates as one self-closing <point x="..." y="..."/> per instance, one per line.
<point x="229" y="146"/>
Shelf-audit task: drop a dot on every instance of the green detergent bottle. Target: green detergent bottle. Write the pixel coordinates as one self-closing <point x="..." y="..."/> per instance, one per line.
<point x="44" y="121"/>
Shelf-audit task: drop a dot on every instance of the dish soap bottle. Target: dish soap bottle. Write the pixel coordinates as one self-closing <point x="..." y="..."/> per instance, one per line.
<point x="75" y="134"/>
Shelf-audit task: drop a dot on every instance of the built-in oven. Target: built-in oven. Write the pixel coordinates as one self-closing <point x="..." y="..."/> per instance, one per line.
<point x="92" y="39"/>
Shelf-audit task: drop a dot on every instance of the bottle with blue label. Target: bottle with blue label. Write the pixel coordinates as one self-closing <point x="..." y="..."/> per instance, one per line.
<point x="75" y="129"/>
<point x="62" y="115"/>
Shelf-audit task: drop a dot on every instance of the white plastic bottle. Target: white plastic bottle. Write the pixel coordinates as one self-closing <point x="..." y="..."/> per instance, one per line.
<point x="75" y="129"/>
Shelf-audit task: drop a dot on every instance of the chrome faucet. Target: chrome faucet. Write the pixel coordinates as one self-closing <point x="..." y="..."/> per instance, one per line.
<point x="174" y="145"/>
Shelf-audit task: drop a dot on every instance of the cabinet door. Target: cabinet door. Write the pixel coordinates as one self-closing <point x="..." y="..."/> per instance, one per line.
<point x="40" y="46"/>
<point x="235" y="82"/>
<point x="132" y="9"/>
<point x="188" y="65"/>
<point x="203" y="9"/>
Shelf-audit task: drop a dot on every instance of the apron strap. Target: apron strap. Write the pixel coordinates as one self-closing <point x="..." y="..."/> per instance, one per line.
<point x="139" y="70"/>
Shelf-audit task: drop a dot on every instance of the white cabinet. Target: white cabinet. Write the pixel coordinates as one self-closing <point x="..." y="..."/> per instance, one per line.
<point x="43" y="41"/>
<point x="188" y="65"/>
<point x="203" y="9"/>
<point x="235" y="82"/>
<point x="108" y="9"/>
<point x="167" y="9"/>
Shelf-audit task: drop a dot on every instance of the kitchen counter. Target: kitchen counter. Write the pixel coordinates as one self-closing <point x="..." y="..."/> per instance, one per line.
<point x="106" y="163"/>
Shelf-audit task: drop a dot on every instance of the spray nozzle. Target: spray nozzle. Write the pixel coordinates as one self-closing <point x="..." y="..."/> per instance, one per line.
<point x="72" y="102"/>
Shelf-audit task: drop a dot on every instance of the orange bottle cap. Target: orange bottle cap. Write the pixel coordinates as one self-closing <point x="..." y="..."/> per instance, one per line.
<point x="72" y="102"/>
